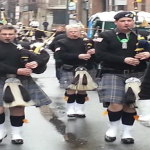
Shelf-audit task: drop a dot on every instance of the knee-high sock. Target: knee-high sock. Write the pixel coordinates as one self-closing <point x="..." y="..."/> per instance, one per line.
<point x="128" y="118"/>
<point x="70" y="98"/>
<point x="17" y="121"/>
<point x="2" y="118"/>
<point x="81" y="98"/>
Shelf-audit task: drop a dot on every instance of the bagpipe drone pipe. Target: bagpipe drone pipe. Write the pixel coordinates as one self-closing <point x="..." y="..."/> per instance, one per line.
<point x="36" y="48"/>
<point x="32" y="34"/>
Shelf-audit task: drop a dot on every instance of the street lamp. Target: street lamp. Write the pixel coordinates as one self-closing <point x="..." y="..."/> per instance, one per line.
<point x="2" y="9"/>
<point x="3" y="18"/>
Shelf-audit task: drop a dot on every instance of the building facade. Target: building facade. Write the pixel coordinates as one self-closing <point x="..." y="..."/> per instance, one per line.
<point x="52" y="11"/>
<point x="86" y="8"/>
<point x="9" y="9"/>
<point x="57" y="12"/>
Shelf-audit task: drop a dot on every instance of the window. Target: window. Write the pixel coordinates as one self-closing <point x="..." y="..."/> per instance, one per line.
<point x="143" y="5"/>
<point x="121" y="7"/>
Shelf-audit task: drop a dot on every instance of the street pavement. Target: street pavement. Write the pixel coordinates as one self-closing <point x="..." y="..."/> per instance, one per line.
<point x="48" y="128"/>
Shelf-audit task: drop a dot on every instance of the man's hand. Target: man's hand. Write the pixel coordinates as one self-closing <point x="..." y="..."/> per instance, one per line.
<point x="131" y="61"/>
<point x="142" y="55"/>
<point x="24" y="71"/>
<point x="84" y="56"/>
<point x="91" y="51"/>
<point x="31" y="65"/>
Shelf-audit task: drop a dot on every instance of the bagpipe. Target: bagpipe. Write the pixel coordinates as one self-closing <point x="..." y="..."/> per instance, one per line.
<point x="38" y="52"/>
<point x="28" y="33"/>
<point x="142" y="42"/>
<point x="38" y="48"/>
<point x="26" y="28"/>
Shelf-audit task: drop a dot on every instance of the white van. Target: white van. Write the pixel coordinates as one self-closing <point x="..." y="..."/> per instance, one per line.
<point x="105" y="21"/>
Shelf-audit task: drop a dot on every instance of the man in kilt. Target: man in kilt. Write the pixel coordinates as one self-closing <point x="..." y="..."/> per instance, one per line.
<point x="60" y="34"/>
<point x="73" y="53"/>
<point x="12" y="66"/>
<point x="144" y="102"/>
<point x="115" y="49"/>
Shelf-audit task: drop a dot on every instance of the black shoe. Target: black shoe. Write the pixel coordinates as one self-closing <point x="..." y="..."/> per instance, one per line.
<point x="109" y="139"/>
<point x="80" y="116"/>
<point x="72" y="115"/>
<point x="3" y="138"/>
<point x="127" y="141"/>
<point x="17" y="141"/>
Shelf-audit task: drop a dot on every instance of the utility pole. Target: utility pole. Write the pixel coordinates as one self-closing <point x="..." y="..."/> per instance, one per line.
<point x="85" y="13"/>
<point x="17" y="11"/>
<point x="107" y="5"/>
<point x="67" y="10"/>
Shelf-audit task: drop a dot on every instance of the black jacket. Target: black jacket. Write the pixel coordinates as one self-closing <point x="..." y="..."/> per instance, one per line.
<point x="68" y="50"/>
<point x="57" y="38"/>
<point x="11" y="58"/>
<point x="109" y="51"/>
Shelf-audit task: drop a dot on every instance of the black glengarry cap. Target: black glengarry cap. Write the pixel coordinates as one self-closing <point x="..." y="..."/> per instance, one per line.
<point x="124" y="14"/>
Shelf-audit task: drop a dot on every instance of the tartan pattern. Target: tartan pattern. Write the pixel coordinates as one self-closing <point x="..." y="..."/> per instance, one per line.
<point x="92" y="72"/>
<point x="66" y="77"/>
<point x="111" y="87"/>
<point x="36" y="93"/>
